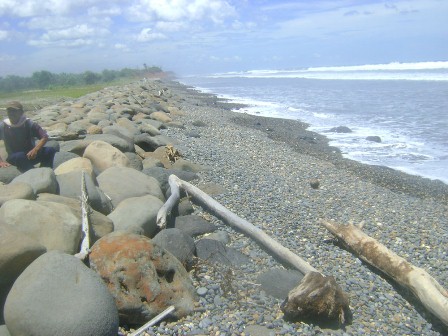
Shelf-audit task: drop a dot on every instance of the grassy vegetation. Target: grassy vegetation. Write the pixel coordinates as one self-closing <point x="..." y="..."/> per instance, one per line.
<point x="34" y="99"/>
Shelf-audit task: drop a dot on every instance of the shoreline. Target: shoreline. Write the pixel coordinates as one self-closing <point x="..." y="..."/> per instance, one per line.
<point x="265" y="166"/>
<point x="295" y="133"/>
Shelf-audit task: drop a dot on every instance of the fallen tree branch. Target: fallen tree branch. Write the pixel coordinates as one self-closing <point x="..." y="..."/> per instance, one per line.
<point x="316" y="297"/>
<point x="430" y="293"/>
<point x="85" y="244"/>
<point x="281" y="253"/>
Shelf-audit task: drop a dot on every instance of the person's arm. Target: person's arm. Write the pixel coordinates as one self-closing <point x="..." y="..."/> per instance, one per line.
<point x="32" y="153"/>
<point x="3" y="164"/>
<point x="43" y="138"/>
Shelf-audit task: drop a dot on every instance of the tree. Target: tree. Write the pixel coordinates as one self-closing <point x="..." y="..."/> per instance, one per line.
<point x="43" y="79"/>
<point x="90" y="77"/>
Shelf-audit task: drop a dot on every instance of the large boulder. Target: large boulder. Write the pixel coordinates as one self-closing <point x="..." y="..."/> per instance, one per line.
<point x="51" y="224"/>
<point x="137" y="215"/>
<point x="120" y="183"/>
<point x="177" y="243"/>
<point x="103" y="156"/>
<point x="193" y="225"/>
<point x="58" y="295"/>
<point x="61" y="157"/>
<point x="162" y="175"/>
<point x="75" y="164"/>
<point x="70" y="186"/>
<point x="40" y="179"/>
<point x="100" y="224"/>
<point x="7" y="174"/>
<point x="143" y="278"/>
<point x="18" y="190"/>
<point x="160" y="116"/>
<point x="215" y="252"/>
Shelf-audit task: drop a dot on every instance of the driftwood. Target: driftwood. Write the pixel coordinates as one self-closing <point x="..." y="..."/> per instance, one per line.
<point x="312" y="299"/>
<point x="430" y="293"/>
<point x="85" y="244"/>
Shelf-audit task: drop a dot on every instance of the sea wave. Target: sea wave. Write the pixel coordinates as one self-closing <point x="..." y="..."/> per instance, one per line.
<point x="419" y="71"/>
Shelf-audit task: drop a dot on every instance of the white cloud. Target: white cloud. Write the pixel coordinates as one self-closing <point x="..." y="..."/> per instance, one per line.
<point x="147" y="35"/>
<point x="3" y="35"/>
<point x="171" y="26"/>
<point x="179" y="10"/>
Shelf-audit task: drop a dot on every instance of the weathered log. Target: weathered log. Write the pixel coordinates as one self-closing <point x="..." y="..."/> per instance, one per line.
<point x="322" y="301"/>
<point x="430" y="293"/>
<point x="85" y="244"/>
<point x="281" y="253"/>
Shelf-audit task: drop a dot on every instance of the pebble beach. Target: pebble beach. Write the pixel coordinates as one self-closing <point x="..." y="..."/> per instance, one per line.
<point x="284" y="180"/>
<point x="264" y="167"/>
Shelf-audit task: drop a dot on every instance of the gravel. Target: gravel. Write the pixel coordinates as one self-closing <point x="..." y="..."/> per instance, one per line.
<point x="265" y="166"/>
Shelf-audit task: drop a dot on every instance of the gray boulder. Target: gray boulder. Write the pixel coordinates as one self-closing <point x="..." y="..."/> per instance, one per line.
<point x="51" y="224"/>
<point x="17" y="252"/>
<point x="137" y="215"/>
<point x="279" y="282"/>
<point x="193" y="225"/>
<point x="374" y="138"/>
<point x="162" y="175"/>
<point x="120" y="183"/>
<point x="70" y="186"/>
<point x="8" y="174"/>
<point x="177" y="243"/>
<point x="215" y="252"/>
<point x="100" y="224"/>
<point x="61" y="157"/>
<point x="340" y="129"/>
<point x="18" y="190"/>
<point x="58" y="295"/>
<point x="134" y="161"/>
<point x="4" y="331"/>
<point x="42" y="180"/>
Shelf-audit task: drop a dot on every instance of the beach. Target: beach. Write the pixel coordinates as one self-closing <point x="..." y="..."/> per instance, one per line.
<point x="265" y="166"/>
<point x="264" y="170"/>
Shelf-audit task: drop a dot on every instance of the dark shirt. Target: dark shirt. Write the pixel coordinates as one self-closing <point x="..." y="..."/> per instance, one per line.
<point x="21" y="139"/>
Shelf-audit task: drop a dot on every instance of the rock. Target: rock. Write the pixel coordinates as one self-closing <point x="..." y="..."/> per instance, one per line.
<point x="18" y="190"/>
<point x="70" y="186"/>
<point x="75" y="164"/>
<point x="61" y="157"/>
<point x="143" y="278"/>
<point x="40" y="179"/>
<point x="221" y="236"/>
<point x="149" y="129"/>
<point x="193" y="225"/>
<point x="162" y="175"/>
<point x="8" y="174"/>
<point x="314" y="183"/>
<point x="4" y="331"/>
<point x="100" y="224"/>
<point x="199" y="123"/>
<point x="103" y="156"/>
<point x="51" y="224"/>
<point x="129" y="125"/>
<point x="340" y="129"/>
<point x="16" y="253"/>
<point x="186" y="165"/>
<point x="119" y="143"/>
<point x="58" y="295"/>
<point x="135" y="161"/>
<point x="79" y="126"/>
<point x="120" y="183"/>
<point x="374" y="138"/>
<point x="119" y="131"/>
<point x="151" y="143"/>
<point x="279" y="282"/>
<point x="184" y="207"/>
<point x="177" y="243"/>
<point x="137" y="215"/>
<point x="215" y="252"/>
<point x="151" y="162"/>
<point x="160" y="116"/>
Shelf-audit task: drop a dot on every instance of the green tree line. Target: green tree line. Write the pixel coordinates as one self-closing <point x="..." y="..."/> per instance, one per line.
<point x="43" y="80"/>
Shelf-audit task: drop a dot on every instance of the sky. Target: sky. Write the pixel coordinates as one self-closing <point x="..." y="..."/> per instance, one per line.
<point x="213" y="36"/>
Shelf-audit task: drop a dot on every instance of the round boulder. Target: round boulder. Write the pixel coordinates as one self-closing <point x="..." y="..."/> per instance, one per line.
<point x="58" y="295"/>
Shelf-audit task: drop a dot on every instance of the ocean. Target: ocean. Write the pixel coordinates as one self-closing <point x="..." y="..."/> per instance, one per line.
<point x="404" y="104"/>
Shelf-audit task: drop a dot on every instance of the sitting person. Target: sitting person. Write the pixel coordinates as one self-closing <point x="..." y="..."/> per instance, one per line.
<point x="18" y="133"/>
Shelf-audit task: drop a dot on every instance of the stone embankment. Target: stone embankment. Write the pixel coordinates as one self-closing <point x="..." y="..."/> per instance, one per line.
<point x="126" y="141"/>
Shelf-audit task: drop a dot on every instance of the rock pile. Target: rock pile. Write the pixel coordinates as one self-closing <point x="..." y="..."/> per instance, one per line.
<point x="113" y="138"/>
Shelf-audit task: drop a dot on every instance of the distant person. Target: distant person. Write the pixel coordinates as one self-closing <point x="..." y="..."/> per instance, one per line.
<point x="19" y="134"/>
